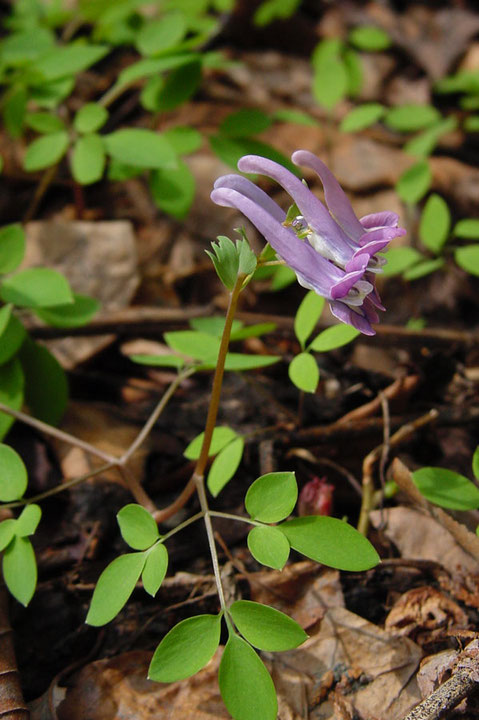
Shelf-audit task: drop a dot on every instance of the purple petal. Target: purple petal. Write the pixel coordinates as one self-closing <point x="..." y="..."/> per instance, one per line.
<point x="385" y="234"/>
<point x="313" y="210"/>
<point x="350" y="317"/>
<point x="380" y="219"/>
<point x="343" y="286"/>
<point x="319" y="273"/>
<point x="336" y="199"/>
<point x="253" y="192"/>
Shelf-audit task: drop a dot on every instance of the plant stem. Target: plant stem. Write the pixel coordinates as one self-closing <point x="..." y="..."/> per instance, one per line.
<point x="200" y="488"/>
<point x="218" y="378"/>
<point x="239" y="518"/>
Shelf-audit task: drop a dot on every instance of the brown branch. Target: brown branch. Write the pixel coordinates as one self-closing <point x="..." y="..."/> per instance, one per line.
<point x="462" y="683"/>
<point x="12" y="704"/>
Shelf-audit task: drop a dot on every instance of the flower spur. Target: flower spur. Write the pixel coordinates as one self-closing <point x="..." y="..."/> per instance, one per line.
<point x="329" y="249"/>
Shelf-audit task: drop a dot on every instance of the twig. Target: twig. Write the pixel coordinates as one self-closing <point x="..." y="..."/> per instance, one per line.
<point x="42" y="187"/>
<point x="462" y="683"/>
<point x="401" y="386"/>
<point x="370" y="460"/>
<point x="12" y="704"/>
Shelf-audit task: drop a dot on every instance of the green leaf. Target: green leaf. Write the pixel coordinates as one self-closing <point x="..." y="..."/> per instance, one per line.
<point x="307" y="316"/>
<point x="369" y="38"/>
<point x="467" y="229"/>
<point x="69" y="60"/>
<point x="141" y="148"/>
<point x="173" y="191"/>
<point x="46" y="387"/>
<point x="272" y="497"/>
<point x="20" y="48"/>
<point x="90" y="118"/>
<point x="238" y="362"/>
<point x="138" y="528"/>
<point x="426" y="267"/>
<point x="159" y="35"/>
<point x="245" y="122"/>
<point x="187" y="648"/>
<point x="266" y="628"/>
<point x="354" y="71"/>
<point x="224" y="466"/>
<point x="435" y="223"/>
<point x="13" y="110"/>
<point x="44" y="122"/>
<point x="191" y="343"/>
<point x="28" y="520"/>
<point x="221" y="437"/>
<point x="334" y="337"/>
<point x="253" y="331"/>
<point x="269" y="546"/>
<point x="471" y="124"/>
<point x="245" y="684"/>
<point x="13" y="475"/>
<point x="294" y="116"/>
<point x="71" y="315"/>
<point x="5" y="315"/>
<point x="88" y="159"/>
<point x="159" y="360"/>
<point x="180" y="85"/>
<point x="114" y="587"/>
<point x="152" y="66"/>
<point x="20" y="569"/>
<point x="270" y="10"/>
<point x="411" y="117"/>
<point x="446" y="488"/>
<point x="46" y="151"/>
<point x="214" y="325"/>
<point x="283" y="277"/>
<point x="414" y="182"/>
<point x="50" y="94"/>
<point x="155" y="569"/>
<point x="183" y="139"/>
<point x="303" y="371"/>
<point x="11" y="392"/>
<point x="362" y="117"/>
<point x="12" y="337"/>
<point x="36" y="287"/>
<point x="468" y="258"/>
<point x="400" y="259"/>
<point x="475" y="463"/>
<point x="330" y="82"/>
<point x="230" y="150"/>
<point x="423" y="144"/>
<point x="331" y="542"/>
<point x="7" y="532"/>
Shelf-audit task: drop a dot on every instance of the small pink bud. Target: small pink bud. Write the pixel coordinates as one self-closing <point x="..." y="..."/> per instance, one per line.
<point x="316" y="498"/>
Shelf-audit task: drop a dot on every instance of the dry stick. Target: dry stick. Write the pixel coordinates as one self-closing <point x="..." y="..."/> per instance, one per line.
<point x="111" y="461"/>
<point x="12" y="704"/>
<point x="401" y="386"/>
<point x="462" y="683"/>
<point x="370" y="460"/>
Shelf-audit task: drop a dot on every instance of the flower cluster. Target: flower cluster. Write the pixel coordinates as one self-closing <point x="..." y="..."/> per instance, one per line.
<point x="329" y="249"/>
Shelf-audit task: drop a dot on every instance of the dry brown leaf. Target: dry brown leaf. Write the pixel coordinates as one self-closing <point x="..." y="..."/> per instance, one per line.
<point x="375" y="669"/>
<point x="424" y="608"/>
<point x="420" y="537"/>
<point x="98" y="258"/>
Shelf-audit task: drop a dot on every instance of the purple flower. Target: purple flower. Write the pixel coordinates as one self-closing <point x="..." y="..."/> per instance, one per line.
<point x="329" y="249"/>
